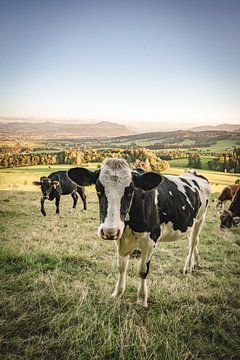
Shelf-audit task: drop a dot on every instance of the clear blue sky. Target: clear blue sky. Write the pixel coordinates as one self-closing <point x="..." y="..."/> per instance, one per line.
<point x="146" y="60"/>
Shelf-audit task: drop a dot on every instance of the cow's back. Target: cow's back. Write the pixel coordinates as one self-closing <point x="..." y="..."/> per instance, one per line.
<point x="182" y="200"/>
<point x="67" y="186"/>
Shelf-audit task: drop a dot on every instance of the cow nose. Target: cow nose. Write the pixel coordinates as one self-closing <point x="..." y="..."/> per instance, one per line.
<point x="110" y="233"/>
<point x="45" y="197"/>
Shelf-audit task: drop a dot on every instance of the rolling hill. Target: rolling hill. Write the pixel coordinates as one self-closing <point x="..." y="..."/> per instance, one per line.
<point x="48" y="130"/>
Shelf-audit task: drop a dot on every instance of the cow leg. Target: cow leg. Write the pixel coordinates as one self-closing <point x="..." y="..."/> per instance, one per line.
<point x="42" y="207"/>
<point x="192" y="260"/>
<point x="83" y="197"/>
<point x="75" y="199"/>
<point x="57" y="201"/>
<point x="121" y="283"/>
<point x="143" y="268"/>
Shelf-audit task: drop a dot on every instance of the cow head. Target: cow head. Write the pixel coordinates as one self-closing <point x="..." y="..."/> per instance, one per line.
<point x="115" y="184"/>
<point x="47" y="185"/>
<point x="226" y="219"/>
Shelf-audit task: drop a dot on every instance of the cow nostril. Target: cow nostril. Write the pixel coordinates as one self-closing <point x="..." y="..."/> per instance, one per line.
<point x="110" y="233"/>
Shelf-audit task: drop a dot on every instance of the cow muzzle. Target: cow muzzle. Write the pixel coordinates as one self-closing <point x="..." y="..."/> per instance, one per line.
<point x="45" y="197"/>
<point x="110" y="233"/>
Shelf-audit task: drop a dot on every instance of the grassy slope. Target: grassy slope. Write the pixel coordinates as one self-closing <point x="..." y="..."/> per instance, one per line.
<point x="57" y="277"/>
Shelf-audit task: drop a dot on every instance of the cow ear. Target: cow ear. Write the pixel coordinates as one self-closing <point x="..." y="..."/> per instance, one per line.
<point x="82" y="176"/>
<point x="55" y="182"/>
<point x="146" y="181"/>
<point x="37" y="183"/>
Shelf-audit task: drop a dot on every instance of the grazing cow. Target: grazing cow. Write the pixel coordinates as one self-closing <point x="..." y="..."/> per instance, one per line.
<point x="227" y="194"/>
<point x="57" y="184"/>
<point x="232" y="215"/>
<point x="138" y="209"/>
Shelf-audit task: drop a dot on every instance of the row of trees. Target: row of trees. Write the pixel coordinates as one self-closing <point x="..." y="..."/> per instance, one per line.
<point x="139" y="157"/>
<point x="227" y="162"/>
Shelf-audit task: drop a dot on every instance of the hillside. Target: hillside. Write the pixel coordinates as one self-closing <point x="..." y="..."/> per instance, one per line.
<point x="48" y="130"/>
<point x="221" y="127"/>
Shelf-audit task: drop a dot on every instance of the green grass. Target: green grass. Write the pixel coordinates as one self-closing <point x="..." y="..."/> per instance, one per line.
<point x="222" y="145"/>
<point x="183" y="163"/>
<point x="57" y="277"/>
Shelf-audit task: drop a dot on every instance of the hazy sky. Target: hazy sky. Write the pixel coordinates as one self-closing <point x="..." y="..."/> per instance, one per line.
<point x="136" y="60"/>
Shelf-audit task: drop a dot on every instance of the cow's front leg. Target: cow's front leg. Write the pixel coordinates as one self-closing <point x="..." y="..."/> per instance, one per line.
<point x="57" y="201"/>
<point x="42" y="207"/>
<point x="121" y="283"/>
<point x="147" y="249"/>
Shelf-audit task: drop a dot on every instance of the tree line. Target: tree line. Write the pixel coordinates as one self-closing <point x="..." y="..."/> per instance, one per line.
<point x="226" y="162"/>
<point x="139" y="157"/>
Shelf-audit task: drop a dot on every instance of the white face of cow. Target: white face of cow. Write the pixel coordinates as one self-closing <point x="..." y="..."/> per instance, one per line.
<point x="115" y="184"/>
<point x="114" y="190"/>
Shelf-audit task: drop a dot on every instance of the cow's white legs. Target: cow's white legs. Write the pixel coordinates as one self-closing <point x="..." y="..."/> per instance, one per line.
<point x="121" y="283"/>
<point x="147" y="249"/>
<point x="193" y="257"/>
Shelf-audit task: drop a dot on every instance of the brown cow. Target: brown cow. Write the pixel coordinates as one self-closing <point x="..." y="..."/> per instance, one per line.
<point x="227" y="194"/>
<point x="232" y="215"/>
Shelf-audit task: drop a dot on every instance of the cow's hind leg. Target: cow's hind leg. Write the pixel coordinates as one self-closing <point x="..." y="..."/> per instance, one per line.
<point x="75" y="199"/>
<point x="82" y="194"/>
<point x="121" y="283"/>
<point x="147" y="249"/>
<point x="192" y="260"/>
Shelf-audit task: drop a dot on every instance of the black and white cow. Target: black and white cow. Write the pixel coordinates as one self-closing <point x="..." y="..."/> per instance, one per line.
<point x="137" y="210"/>
<point x="57" y="184"/>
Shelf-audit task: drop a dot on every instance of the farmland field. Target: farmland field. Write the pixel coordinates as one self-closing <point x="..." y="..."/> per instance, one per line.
<point x="57" y="277"/>
<point x="183" y="163"/>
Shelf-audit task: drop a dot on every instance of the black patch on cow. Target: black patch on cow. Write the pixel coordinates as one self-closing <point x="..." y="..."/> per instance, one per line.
<point x="126" y="201"/>
<point x="136" y="254"/>
<point x="196" y="184"/>
<point x="144" y="215"/>
<point x="201" y="176"/>
<point x="185" y="181"/>
<point x="103" y="203"/>
<point x="206" y="203"/>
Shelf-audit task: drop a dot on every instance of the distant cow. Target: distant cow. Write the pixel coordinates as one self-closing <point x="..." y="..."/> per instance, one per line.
<point x="232" y="215"/>
<point x="57" y="184"/>
<point x="137" y="210"/>
<point x="227" y="194"/>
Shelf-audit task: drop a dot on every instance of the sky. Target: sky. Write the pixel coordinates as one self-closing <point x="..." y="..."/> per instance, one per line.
<point x="173" y="61"/>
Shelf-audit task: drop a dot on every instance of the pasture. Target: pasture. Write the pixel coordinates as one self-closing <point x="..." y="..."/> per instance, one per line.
<point x="57" y="278"/>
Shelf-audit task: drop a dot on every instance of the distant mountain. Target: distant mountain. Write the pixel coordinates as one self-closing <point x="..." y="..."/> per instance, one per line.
<point x="221" y="127"/>
<point x="50" y="130"/>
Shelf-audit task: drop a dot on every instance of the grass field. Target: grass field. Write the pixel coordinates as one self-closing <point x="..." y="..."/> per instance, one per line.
<point x="57" y="277"/>
<point x="183" y="163"/>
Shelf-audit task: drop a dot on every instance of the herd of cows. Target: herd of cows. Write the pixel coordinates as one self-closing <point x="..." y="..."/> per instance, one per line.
<point x="138" y="209"/>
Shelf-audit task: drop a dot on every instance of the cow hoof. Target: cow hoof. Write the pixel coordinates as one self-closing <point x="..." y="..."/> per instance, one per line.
<point x="187" y="271"/>
<point x="44" y="214"/>
<point x="142" y="302"/>
<point x="117" y="293"/>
